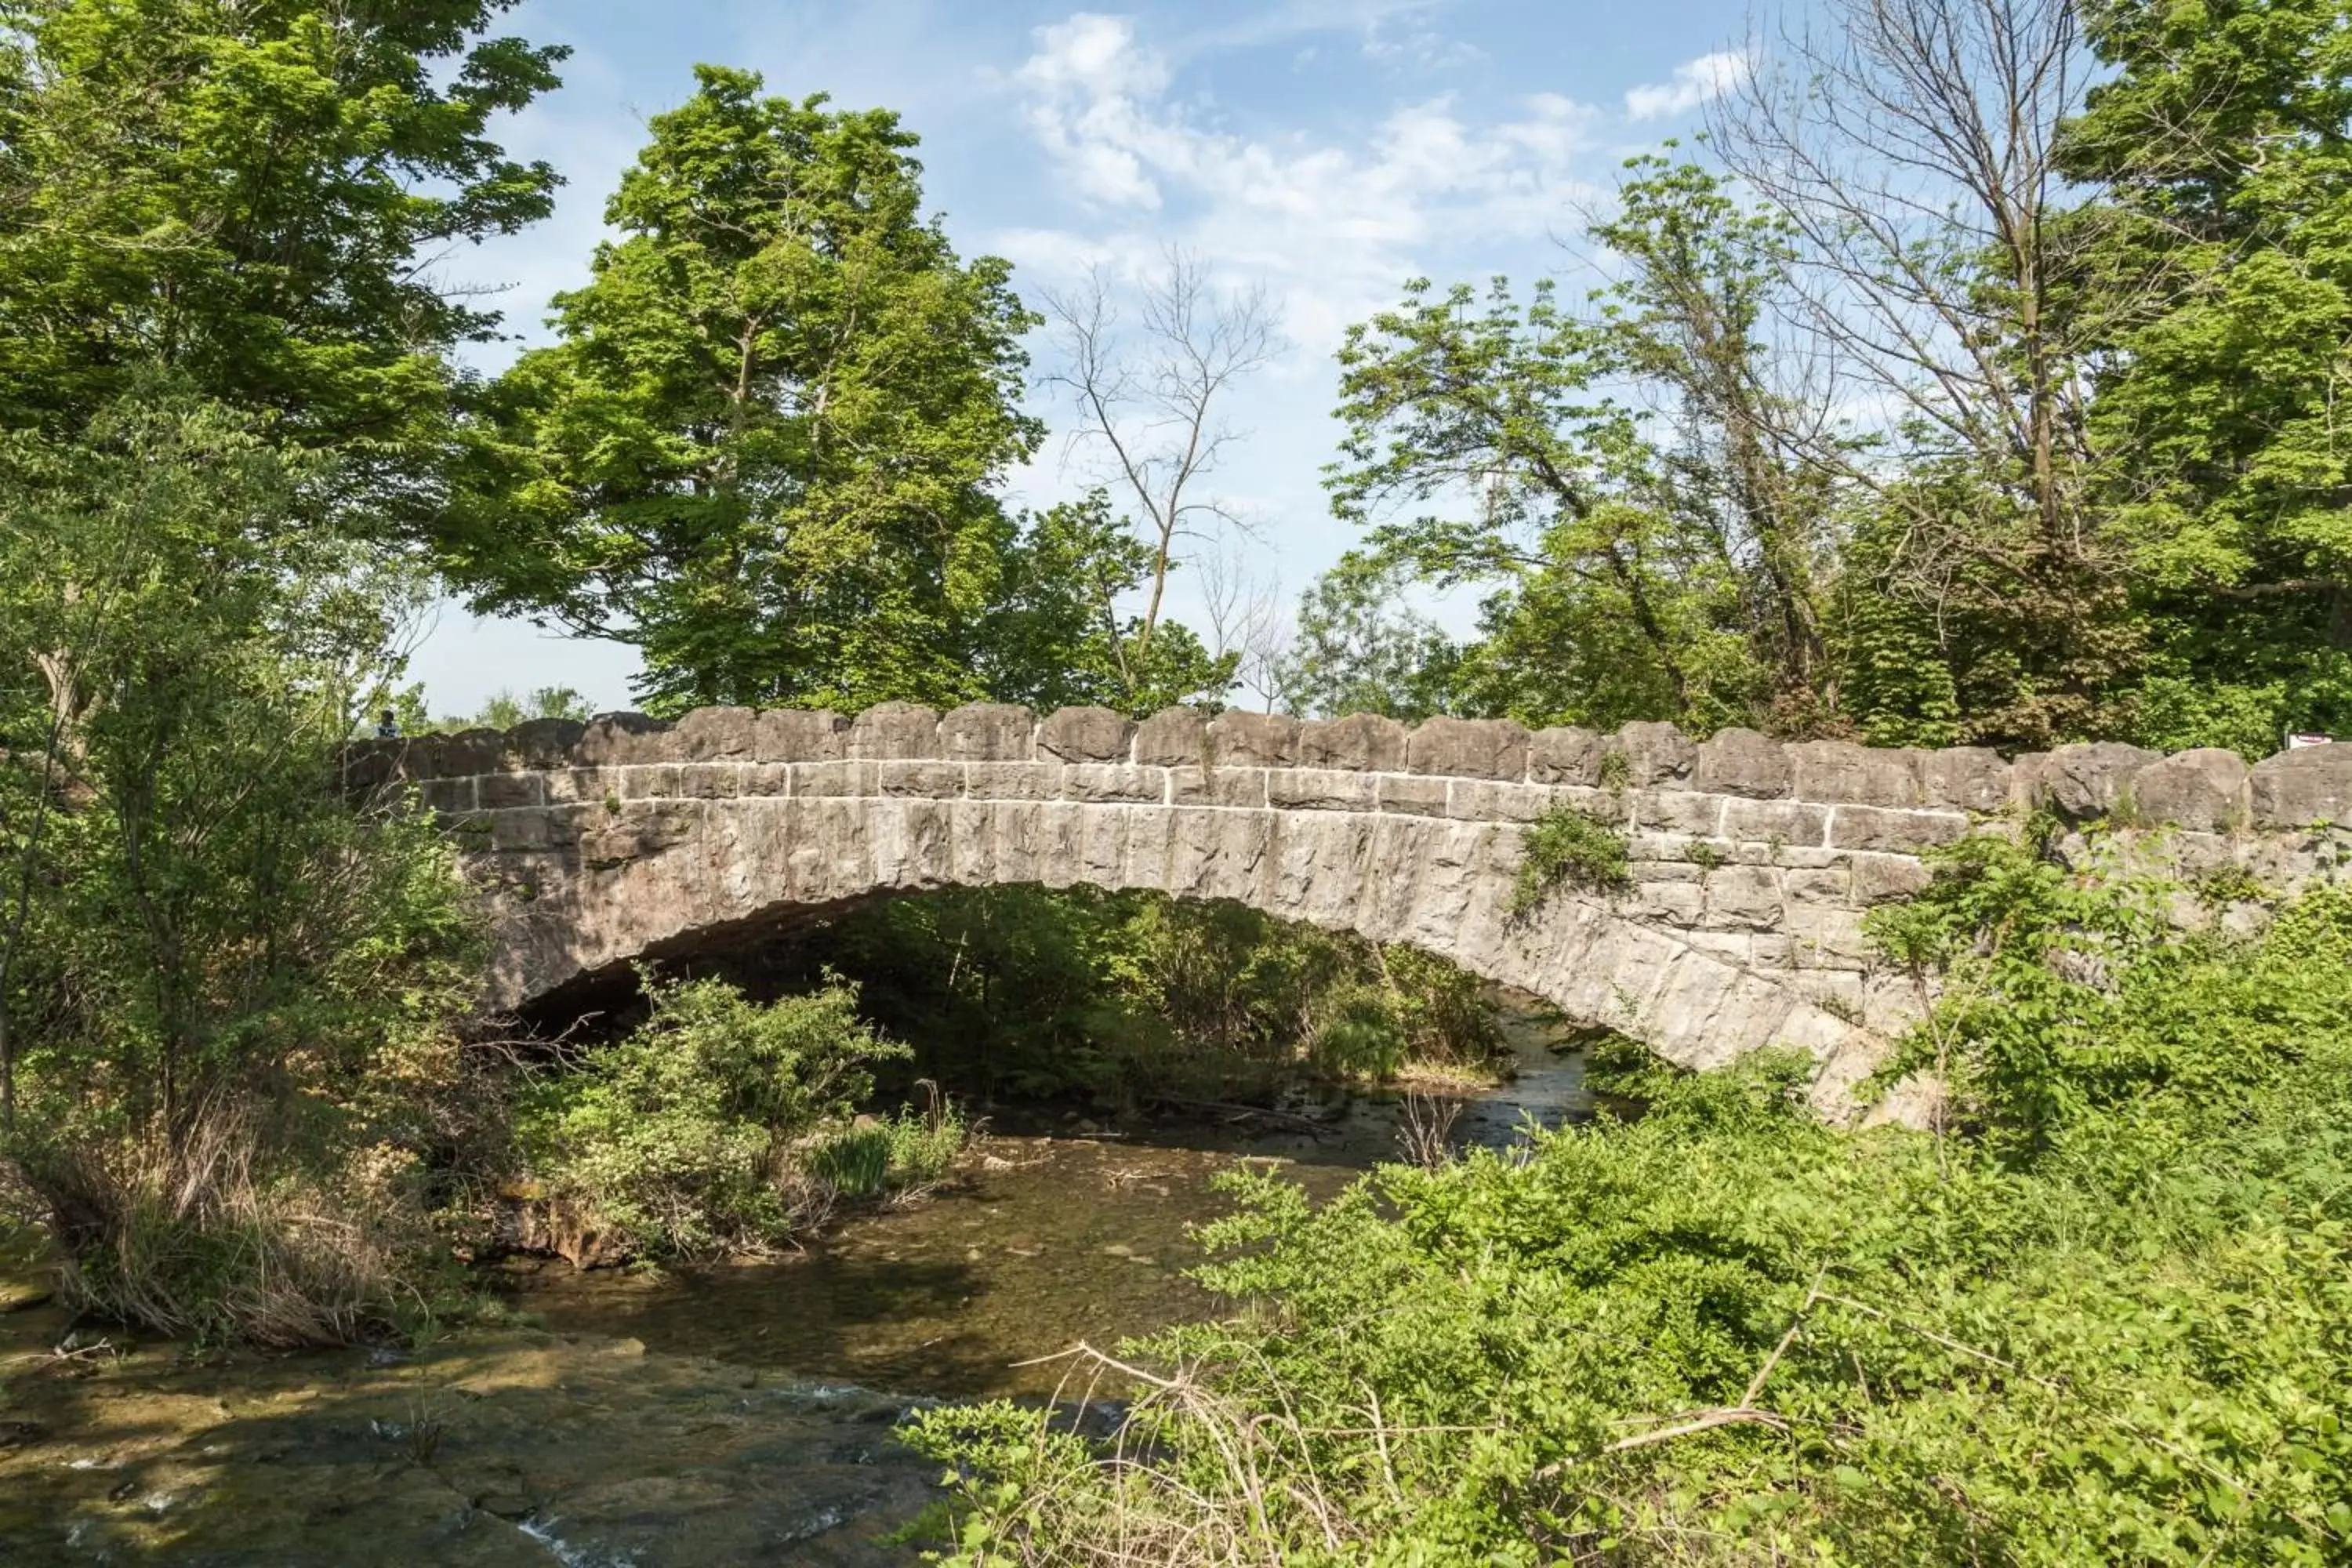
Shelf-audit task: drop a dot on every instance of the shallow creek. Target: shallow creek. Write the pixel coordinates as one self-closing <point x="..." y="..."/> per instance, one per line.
<point x="733" y="1418"/>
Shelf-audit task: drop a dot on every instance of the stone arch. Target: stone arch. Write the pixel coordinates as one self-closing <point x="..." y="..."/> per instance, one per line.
<point x="1753" y="861"/>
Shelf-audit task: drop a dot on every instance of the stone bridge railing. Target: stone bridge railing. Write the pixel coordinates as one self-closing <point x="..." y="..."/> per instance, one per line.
<point x="1752" y="861"/>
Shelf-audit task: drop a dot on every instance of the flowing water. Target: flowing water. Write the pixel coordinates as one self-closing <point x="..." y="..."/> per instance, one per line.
<point x="1045" y="1239"/>
<point x="742" y="1416"/>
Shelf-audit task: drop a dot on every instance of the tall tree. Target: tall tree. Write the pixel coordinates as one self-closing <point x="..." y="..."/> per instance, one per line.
<point x="260" y="195"/>
<point x="2226" y="261"/>
<point x="1153" y="397"/>
<point x="1936" y="259"/>
<point x="1621" y="477"/>
<point x="766" y="447"/>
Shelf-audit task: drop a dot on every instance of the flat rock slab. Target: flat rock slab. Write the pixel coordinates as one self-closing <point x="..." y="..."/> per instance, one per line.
<point x="534" y="1449"/>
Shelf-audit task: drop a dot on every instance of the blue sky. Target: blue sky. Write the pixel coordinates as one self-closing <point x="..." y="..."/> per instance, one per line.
<point x="1326" y="150"/>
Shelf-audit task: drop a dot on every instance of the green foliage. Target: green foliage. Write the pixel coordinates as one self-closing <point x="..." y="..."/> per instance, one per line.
<point x="2112" y="1329"/>
<point x="226" y="999"/>
<point x="904" y="1152"/>
<point x="1565" y="847"/>
<point x="1049" y="636"/>
<point x="764" y="448"/>
<point x="680" y="1137"/>
<point x="1033" y="991"/>
<point x="1641" y="567"/>
<point x="1358" y="651"/>
<point x="241" y="194"/>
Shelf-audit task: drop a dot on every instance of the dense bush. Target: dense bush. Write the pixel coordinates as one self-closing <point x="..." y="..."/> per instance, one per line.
<point x="227" y="998"/>
<point x="692" y="1137"/>
<point x="2105" y="1314"/>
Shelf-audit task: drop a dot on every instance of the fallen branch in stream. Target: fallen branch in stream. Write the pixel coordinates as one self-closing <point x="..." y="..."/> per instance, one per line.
<point x="1238" y="1113"/>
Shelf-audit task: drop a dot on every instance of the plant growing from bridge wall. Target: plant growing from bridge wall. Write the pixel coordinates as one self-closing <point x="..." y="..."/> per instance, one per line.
<point x="1565" y="847"/>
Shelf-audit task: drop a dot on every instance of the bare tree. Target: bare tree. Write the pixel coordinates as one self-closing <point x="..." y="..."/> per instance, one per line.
<point x="1151" y="400"/>
<point x="1246" y="620"/>
<point x="1912" y="145"/>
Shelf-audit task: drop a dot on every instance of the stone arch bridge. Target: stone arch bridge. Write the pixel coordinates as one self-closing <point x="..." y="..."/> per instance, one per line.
<point x="1753" y="862"/>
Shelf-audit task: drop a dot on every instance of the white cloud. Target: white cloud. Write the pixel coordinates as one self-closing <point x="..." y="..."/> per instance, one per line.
<point x="1695" y="82"/>
<point x="1333" y="226"/>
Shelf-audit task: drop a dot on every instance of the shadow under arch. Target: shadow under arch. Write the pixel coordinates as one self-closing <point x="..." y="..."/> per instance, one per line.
<point x="667" y="877"/>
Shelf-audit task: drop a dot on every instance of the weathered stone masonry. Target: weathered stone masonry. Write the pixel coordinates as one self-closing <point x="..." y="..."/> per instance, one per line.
<point x="1753" y="861"/>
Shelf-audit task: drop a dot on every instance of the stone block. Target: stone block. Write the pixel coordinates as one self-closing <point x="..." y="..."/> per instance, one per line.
<point x="2091" y="780"/>
<point x="1409" y="796"/>
<point x="1220" y="785"/>
<point x="767" y="780"/>
<point x="1013" y="780"/>
<point x="521" y="830"/>
<point x="709" y="781"/>
<point x="928" y="780"/>
<point x="1085" y="735"/>
<point x="1653" y="753"/>
<point x="1742" y="898"/>
<point x="1171" y="736"/>
<point x="651" y="781"/>
<point x="1788" y="821"/>
<point x="716" y="735"/>
<point x="1840" y="773"/>
<point x="1469" y="748"/>
<point x="1609" y="806"/>
<point x="788" y="735"/>
<point x="1678" y="904"/>
<point x="1678" y="811"/>
<point x="1497" y="800"/>
<point x="1114" y="782"/>
<point x="591" y="786"/>
<point x="472" y="751"/>
<point x="639" y="828"/>
<point x="1362" y="741"/>
<point x="2205" y="790"/>
<point x="1819" y="884"/>
<point x="895" y="731"/>
<point x="988" y="732"/>
<point x="1252" y="740"/>
<point x="502" y="791"/>
<point x="2025" y="771"/>
<point x="1967" y="778"/>
<point x="448" y="795"/>
<point x="614" y="739"/>
<point x="1742" y="763"/>
<point x="2299" y="788"/>
<point x="1883" y="879"/>
<point x="540" y="744"/>
<point x="839" y="779"/>
<point x="1321" y="789"/>
<point x="1877" y="828"/>
<point x="1564" y="755"/>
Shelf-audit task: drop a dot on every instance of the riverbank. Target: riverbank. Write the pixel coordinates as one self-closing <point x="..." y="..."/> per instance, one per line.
<point x="729" y="1416"/>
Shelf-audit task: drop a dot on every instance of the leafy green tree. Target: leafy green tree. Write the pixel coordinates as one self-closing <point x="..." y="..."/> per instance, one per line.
<point x="256" y="196"/>
<point x="1052" y="632"/>
<point x="1361" y="649"/>
<point x="2224" y="257"/>
<point x="220" y="985"/>
<point x="765" y="448"/>
<point x="1644" y="563"/>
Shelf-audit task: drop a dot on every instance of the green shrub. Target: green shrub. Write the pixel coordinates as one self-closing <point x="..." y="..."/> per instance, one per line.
<point x="679" y="1137"/>
<point x="1565" y="847"/>
<point x="2102" y="1318"/>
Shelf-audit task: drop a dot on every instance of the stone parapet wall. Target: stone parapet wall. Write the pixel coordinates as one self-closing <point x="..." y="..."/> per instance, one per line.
<point x="1363" y="763"/>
